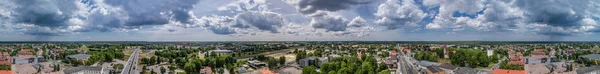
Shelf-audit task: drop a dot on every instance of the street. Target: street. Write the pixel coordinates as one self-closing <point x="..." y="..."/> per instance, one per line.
<point x="404" y="65"/>
<point x="131" y="65"/>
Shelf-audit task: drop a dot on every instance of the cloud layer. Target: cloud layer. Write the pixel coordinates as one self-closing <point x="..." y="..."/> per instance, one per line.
<point x="555" y="18"/>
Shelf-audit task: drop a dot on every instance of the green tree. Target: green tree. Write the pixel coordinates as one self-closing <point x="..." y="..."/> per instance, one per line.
<point x="118" y="66"/>
<point x="220" y="70"/>
<point x="190" y="67"/>
<point x="163" y="70"/>
<point x="367" y="68"/>
<point x="310" y="70"/>
<point x="272" y="62"/>
<point x="331" y="72"/>
<point x="282" y="60"/>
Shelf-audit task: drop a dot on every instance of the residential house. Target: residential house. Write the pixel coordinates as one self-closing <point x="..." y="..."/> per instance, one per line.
<point x="25" y="52"/>
<point x="206" y="70"/>
<point x="266" y="71"/>
<point x="5" y="58"/>
<point x="6" y="72"/>
<point x="391" y="62"/>
<point x="503" y="71"/>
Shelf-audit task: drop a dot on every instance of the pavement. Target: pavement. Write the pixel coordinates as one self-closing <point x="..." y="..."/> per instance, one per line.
<point x="404" y="65"/>
<point x="131" y="65"/>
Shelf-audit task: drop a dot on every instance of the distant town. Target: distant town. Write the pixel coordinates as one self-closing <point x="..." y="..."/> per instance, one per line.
<point x="300" y="57"/>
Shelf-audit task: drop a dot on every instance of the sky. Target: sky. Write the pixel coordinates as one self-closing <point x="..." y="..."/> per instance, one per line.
<point x="299" y="20"/>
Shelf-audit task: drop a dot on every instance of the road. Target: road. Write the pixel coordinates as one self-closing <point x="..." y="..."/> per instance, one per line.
<point x="131" y="65"/>
<point x="404" y="65"/>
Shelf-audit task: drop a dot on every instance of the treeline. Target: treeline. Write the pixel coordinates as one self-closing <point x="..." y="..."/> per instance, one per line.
<point x="348" y="65"/>
<point x="106" y="55"/>
<point x="472" y="58"/>
<point x="426" y="55"/>
<point x="194" y="65"/>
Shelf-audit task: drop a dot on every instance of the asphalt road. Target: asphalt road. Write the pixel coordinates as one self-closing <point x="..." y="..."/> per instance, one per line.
<point x="404" y="66"/>
<point x="131" y="65"/>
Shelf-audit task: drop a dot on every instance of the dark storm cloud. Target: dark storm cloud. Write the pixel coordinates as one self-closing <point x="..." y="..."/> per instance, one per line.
<point x="330" y="23"/>
<point x="154" y="12"/>
<point x="553" y="18"/>
<point x="565" y="15"/>
<point x="171" y="30"/>
<point x="66" y="16"/>
<point x="312" y="6"/>
<point x="44" y="13"/>
<point x="266" y="21"/>
<point x="222" y="30"/>
<point x="337" y="23"/>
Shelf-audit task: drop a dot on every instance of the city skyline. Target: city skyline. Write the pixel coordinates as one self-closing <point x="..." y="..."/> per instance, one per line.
<point x="299" y="20"/>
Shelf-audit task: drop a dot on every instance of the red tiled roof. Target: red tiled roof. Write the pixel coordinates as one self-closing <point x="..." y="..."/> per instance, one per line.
<point x="6" y="72"/>
<point x="502" y="71"/>
<point x="266" y="71"/>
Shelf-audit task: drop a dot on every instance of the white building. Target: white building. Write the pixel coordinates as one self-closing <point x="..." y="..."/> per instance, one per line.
<point x="490" y="52"/>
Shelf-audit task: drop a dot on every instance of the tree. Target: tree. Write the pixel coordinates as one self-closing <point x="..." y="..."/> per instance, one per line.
<point x="190" y="67"/>
<point x="310" y="70"/>
<point x="220" y="71"/>
<point x="152" y="71"/>
<point x="118" y="66"/>
<point x="162" y="70"/>
<point x="282" y="60"/>
<point x="326" y="67"/>
<point x="367" y="68"/>
<point x="272" y="62"/>
<point x="331" y="72"/>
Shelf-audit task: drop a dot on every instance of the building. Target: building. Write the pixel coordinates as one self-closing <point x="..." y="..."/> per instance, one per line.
<point x="449" y="68"/>
<point x="241" y="70"/>
<point x="427" y="63"/>
<point x="86" y="70"/>
<point x="307" y="61"/>
<point x="445" y="52"/>
<point x="435" y="70"/>
<point x="312" y="61"/>
<point x="220" y="51"/>
<point x="25" y="52"/>
<point x="390" y="62"/>
<point x="537" y="68"/>
<point x="538" y="52"/>
<point x="6" y="72"/>
<point x="490" y="52"/>
<point x="257" y="64"/>
<point x="503" y="71"/>
<point x="206" y="70"/>
<point x="589" y="70"/>
<point x="466" y="70"/>
<point x="5" y="58"/>
<point x="266" y="71"/>
<point x="590" y="57"/>
<point x="80" y="57"/>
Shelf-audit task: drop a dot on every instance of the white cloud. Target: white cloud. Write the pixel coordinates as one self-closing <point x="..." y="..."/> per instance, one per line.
<point x="394" y="15"/>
